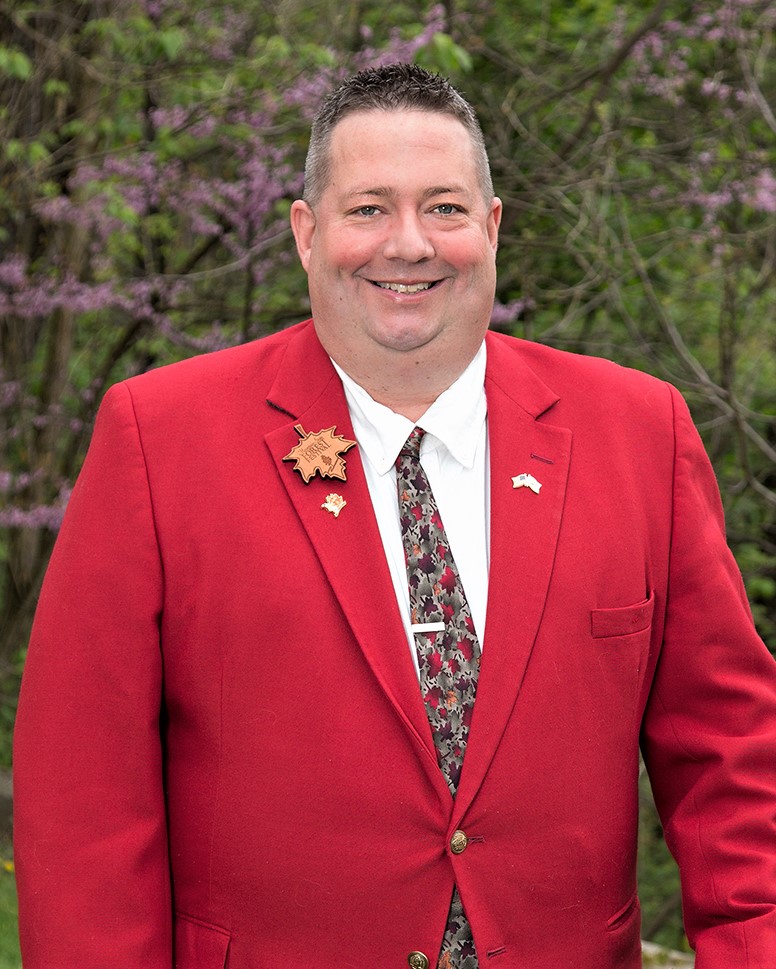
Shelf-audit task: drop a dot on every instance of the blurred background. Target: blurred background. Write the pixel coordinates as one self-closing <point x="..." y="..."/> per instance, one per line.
<point x="149" y="153"/>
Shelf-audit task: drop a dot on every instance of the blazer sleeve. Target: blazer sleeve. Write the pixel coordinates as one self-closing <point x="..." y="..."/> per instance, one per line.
<point x="90" y="828"/>
<point x="709" y="736"/>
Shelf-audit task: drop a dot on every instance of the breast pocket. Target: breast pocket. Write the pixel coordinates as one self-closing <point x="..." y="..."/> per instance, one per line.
<point x="622" y="620"/>
<point x="619" y="648"/>
<point x="199" y="945"/>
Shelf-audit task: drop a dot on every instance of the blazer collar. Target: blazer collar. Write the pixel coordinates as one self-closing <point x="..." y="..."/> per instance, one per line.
<point x="509" y="371"/>
<point x="305" y="373"/>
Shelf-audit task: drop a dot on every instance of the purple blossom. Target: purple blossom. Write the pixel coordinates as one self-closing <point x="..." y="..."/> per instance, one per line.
<point x="43" y="296"/>
<point x="155" y="9"/>
<point x="762" y="194"/>
<point x="10" y="392"/>
<point x="713" y="87"/>
<point x="309" y="90"/>
<point x="17" y="483"/>
<point x="757" y="191"/>
<point x="175" y="117"/>
<point x="13" y="271"/>
<point x="401" y="49"/>
<point x="505" y="313"/>
<point x="37" y="517"/>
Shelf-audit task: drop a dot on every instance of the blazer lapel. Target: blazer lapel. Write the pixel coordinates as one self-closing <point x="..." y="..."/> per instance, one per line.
<point x="523" y="537"/>
<point x="348" y="545"/>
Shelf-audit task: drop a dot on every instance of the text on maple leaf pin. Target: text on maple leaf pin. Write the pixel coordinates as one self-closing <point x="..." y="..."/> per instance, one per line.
<point x="319" y="452"/>
<point x="526" y="481"/>
<point x="334" y="503"/>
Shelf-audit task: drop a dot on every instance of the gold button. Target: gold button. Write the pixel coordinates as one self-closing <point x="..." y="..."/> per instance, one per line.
<point x="417" y="960"/>
<point x="458" y="842"/>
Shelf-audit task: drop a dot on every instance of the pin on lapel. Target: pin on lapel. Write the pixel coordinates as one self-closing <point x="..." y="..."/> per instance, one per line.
<point x="320" y="453"/>
<point x="527" y="481"/>
<point x="334" y="503"/>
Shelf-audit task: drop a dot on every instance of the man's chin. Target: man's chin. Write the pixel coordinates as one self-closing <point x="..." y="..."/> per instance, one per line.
<point x="405" y="339"/>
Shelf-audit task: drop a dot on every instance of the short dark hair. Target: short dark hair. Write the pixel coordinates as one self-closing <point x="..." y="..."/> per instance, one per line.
<point x="393" y="87"/>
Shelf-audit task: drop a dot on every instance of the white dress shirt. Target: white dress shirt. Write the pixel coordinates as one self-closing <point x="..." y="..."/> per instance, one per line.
<point x="454" y="455"/>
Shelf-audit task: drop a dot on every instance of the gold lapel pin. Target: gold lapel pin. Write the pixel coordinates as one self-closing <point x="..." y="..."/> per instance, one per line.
<point x="334" y="503"/>
<point x="526" y="481"/>
<point x="319" y="453"/>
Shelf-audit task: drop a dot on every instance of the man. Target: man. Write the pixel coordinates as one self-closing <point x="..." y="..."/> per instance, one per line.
<point x="248" y="732"/>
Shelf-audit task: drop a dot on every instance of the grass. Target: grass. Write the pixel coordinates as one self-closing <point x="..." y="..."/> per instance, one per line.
<point x="9" y="942"/>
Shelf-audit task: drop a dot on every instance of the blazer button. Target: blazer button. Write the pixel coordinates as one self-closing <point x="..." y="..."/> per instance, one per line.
<point x="458" y="842"/>
<point x="417" y="960"/>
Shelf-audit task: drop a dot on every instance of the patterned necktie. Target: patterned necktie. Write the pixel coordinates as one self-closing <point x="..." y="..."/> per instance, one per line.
<point x="447" y="647"/>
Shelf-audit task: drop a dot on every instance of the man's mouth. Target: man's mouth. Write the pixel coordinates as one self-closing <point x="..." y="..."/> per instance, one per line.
<point x="405" y="287"/>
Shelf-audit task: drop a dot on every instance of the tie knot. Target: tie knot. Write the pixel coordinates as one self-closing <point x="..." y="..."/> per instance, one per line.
<point x="411" y="447"/>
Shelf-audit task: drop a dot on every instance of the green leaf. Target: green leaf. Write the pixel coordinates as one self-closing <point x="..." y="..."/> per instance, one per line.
<point x="55" y="87"/>
<point x="15" y="64"/>
<point x="444" y="55"/>
<point x="171" y="42"/>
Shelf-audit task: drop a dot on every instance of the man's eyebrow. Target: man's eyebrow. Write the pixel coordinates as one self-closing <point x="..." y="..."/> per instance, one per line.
<point x="382" y="191"/>
<point x="444" y="190"/>
<point x="376" y="192"/>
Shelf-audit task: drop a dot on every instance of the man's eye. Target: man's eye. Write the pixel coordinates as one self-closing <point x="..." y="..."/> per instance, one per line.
<point x="367" y="210"/>
<point x="447" y="208"/>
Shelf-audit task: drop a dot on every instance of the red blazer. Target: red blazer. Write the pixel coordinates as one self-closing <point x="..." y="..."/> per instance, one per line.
<point x="222" y="757"/>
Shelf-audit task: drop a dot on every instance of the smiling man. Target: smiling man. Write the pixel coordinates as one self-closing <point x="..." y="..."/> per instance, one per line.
<point x="400" y="251"/>
<point x="352" y="635"/>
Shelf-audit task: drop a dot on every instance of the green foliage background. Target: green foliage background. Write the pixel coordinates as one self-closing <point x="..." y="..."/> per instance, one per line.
<point x="149" y="152"/>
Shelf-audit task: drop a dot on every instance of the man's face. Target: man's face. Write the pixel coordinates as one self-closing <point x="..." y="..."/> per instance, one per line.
<point x="400" y="249"/>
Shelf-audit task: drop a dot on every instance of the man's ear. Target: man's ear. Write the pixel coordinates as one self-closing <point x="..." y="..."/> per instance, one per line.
<point x="303" y="227"/>
<point x="494" y="221"/>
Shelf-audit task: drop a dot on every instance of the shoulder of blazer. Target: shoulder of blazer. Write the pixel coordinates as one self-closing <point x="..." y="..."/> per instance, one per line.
<point x="586" y="387"/>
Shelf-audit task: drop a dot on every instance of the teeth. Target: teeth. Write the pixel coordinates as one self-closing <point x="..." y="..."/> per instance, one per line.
<point x="404" y="288"/>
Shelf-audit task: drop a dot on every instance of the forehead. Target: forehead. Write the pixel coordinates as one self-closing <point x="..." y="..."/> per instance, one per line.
<point x="400" y="145"/>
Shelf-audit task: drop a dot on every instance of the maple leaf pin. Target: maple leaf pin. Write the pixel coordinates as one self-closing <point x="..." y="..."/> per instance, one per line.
<point x="334" y="503"/>
<point x="319" y="452"/>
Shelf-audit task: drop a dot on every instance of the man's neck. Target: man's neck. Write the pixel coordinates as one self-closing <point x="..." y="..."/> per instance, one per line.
<point x="409" y="386"/>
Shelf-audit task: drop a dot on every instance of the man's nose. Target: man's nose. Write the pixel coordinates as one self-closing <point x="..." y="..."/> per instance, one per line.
<point x="408" y="239"/>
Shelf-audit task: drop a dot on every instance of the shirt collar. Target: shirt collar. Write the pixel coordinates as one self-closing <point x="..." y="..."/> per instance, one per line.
<point x="454" y="420"/>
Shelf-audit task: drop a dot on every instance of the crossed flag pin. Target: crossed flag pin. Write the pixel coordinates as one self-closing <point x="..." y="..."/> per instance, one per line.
<point x="527" y="481"/>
